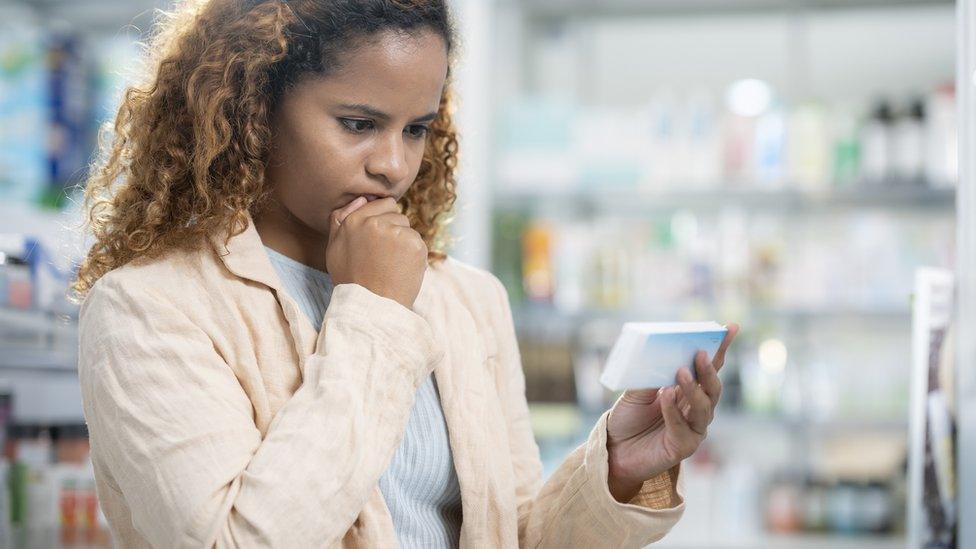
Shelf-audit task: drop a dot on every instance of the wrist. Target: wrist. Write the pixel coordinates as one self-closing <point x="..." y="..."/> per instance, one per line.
<point x="622" y="483"/>
<point x="623" y="490"/>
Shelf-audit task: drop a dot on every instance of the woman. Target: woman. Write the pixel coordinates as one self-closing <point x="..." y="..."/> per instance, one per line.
<point x="274" y="350"/>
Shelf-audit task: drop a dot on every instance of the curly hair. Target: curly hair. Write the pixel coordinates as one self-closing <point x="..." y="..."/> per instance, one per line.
<point x="187" y="151"/>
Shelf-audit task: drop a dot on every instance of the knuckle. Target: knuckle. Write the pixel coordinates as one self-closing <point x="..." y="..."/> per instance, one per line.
<point x="419" y="245"/>
<point x="355" y="217"/>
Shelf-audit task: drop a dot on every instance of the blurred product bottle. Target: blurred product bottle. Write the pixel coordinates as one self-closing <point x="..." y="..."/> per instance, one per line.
<point x="784" y="513"/>
<point x="507" y="231"/>
<point x="875" y="507"/>
<point x="612" y="275"/>
<point x="770" y="147"/>
<point x="69" y="82"/>
<point x="39" y="495"/>
<point x="661" y="126"/>
<point x="702" y="156"/>
<point x="739" y="517"/>
<point x="702" y="273"/>
<point x="847" y="148"/>
<point x="17" y="286"/>
<point x="808" y="154"/>
<point x="611" y="148"/>
<point x="908" y="147"/>
<point x="842" y="507"/>
<point x="732" y="263"/>
<point x="766" y="267"/>
<point x="572" y="245"/>
<point x="6" y="527"/>
<point x="876" y="144"/>
<point x="78" y="514"/>
<point x="738" y="149"/>
<point x="593" y="343"/>
<point x="537" y="276"/>
<point x="814" y="505"/>
<point x="941" y="138"/>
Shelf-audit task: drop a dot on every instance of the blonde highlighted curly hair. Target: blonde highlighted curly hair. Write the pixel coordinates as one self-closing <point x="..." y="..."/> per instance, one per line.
<point x="187" y="151"/>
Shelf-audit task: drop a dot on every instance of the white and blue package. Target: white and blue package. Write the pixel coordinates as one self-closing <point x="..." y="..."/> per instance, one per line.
<point x="649" y="354"/>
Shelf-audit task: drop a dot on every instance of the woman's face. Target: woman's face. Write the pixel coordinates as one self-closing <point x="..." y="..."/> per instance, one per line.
<point x="359" y="131"/>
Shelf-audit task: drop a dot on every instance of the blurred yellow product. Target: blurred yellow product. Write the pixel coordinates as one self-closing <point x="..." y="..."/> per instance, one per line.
<point x="537" y="262"/>
<point x="554" y="420"/>
<point x="611" y="277"/>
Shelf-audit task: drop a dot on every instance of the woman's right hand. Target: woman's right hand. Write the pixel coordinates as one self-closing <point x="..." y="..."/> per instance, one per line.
<point x="373" y="245"/>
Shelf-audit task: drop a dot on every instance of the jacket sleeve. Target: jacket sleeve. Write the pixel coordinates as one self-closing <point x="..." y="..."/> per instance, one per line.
<point x="574" y="508"/>
<point x="170" y="421"/>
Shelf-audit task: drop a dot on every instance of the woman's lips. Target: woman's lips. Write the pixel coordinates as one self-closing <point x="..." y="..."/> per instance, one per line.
<point x="368" y="196"/>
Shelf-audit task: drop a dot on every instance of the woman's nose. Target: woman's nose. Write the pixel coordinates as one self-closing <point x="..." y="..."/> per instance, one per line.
<point x="389" y="160"/>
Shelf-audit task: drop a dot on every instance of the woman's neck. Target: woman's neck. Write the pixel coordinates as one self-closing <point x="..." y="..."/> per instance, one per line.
<point x="286" y="234"/>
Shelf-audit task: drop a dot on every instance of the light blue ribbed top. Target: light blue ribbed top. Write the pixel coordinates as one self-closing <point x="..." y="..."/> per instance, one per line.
<point x="420" y="486"/>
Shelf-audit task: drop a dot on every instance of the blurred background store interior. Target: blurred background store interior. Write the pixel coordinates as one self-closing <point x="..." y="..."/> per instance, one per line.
<point x="785" y="165"/>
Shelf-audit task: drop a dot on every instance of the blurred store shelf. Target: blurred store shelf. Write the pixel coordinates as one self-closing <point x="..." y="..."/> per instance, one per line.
<point x="562" y="8"/>
<point x="544" y="315"/>
<point x="730" y="422"/>
<point x="94" y="15"/>
<point x="40" y="361"/>
<point x="889" y="197"/>
<point x="37" y="341"/>
<point x="799" y="541"/>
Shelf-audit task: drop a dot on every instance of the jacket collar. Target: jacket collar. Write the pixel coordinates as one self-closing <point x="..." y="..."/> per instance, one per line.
<point x="244" y="255"/>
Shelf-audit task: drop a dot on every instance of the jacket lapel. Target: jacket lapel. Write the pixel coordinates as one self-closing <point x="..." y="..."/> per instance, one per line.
<point x="462" y="382"/>
<point x="244" y="255"/>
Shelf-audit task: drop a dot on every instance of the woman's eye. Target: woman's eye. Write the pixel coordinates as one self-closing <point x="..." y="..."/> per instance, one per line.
<point x="417" y="131"/>
<point x="356" y="125"/>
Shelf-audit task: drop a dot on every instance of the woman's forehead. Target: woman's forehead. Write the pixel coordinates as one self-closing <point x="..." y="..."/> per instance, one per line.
<point x="402" y="75"/>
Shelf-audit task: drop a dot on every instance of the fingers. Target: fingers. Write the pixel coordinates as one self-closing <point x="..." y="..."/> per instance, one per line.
<point x="394" y="218"/>
<point x="719" y="359"/>
<point x="700" y="406"/>
<point x="669" y="409"/>
<point x="708" y="377"/>
<point x="339" y="215"/>
<point x="377" y="207"/>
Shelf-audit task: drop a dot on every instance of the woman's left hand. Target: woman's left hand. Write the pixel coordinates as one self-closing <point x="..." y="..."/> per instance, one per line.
<point x="651" y="430"/>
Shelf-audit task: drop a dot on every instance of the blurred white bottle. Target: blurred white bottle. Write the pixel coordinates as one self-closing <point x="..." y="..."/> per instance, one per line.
<point x="908" y="143"/>
<point x="807" y="146"/>
<point x="876" y="138"/>
<point x="770" y="148"/>
<point x="701" y="141"/>
<point x="661" y="166"/>
<point x="941" y="138"/>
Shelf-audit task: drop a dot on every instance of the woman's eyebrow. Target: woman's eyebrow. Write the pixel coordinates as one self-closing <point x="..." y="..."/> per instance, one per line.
<point x="380" y="115"/>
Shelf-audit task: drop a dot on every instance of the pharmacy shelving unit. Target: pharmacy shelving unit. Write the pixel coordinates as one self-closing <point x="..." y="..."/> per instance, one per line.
<point x="40" y="366"/>
<point x="640" y="8"/>
<point x="522" y="58"/>
<point x="888" y="197"/>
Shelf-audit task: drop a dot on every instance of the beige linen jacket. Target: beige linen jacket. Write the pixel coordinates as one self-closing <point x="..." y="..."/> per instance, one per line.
<point x="219" y="417"/>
